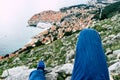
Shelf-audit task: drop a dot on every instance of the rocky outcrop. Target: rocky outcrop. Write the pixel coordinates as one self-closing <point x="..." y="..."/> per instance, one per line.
<point x="58" y="72"/>
<point x="62" y="72"/>
<point x="115" y="68"/>
<point x="17" y="73"/>
<point x="23" y="72"/>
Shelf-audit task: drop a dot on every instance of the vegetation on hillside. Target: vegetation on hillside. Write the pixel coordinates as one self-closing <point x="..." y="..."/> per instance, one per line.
<point x="55" y="53"/>
<point x="109" y="11"/>
<point x="70" y="7"/>
<point x="108" y="27"/>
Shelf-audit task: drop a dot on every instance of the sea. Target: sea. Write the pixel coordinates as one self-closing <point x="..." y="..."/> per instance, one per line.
<point x="21" y="35"/>
<point x="15" y="32"/>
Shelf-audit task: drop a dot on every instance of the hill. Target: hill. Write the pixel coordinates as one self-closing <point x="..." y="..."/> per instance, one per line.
<point x="59" y="52"/>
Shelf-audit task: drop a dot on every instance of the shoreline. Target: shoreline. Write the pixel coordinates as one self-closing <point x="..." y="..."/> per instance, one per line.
<point x="30" y="42"/>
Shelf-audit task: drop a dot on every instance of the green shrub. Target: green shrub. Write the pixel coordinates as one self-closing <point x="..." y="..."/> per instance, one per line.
<point x="68" y="33"/>
<point x="61" y="76"/>
<point x="116" y="77"/>
<point x="38" y="43"/>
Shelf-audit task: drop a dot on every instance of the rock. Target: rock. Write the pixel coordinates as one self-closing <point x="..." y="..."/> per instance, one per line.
<point x="66" y="68"/>
<point x="116" y="52"/>
<point x="22" y="72"/>
<point x="111" y="57"/>
<point x="68" y="78"/>
<point x="109" y="42"/>
<point x="52" y="75"/>
<point x="115" y="68"/>
<point x="69" y="56"/>
<point x="113" y="61"/>
<point x="16" y="59"/>
<point x="111" y="38"/>
<point x="108" y="51"/>
<point x="56" y="72"/>
<point x="118" y="56"/>
<point x="117" y="36"/>
<point x="17" y="73"/>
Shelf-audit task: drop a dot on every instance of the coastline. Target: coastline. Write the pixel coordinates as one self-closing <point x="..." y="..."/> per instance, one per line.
<point x="30" y="42"/>
<point x="58" y="28"/>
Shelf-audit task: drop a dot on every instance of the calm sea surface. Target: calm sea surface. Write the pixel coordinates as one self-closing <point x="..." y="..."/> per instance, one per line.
<point x="17" y="38"/>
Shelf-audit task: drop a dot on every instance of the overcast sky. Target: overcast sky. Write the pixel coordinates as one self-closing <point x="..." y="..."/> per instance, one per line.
<point x="10" y="8"/>
<point x="14" y="11"/>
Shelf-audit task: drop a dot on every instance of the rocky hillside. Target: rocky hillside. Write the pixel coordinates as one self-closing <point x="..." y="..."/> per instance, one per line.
<point x="58" y="52"/>
<point x="110" y="32"/>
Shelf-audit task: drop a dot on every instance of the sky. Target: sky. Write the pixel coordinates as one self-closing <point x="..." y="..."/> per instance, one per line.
<point x="10" y="8"/>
